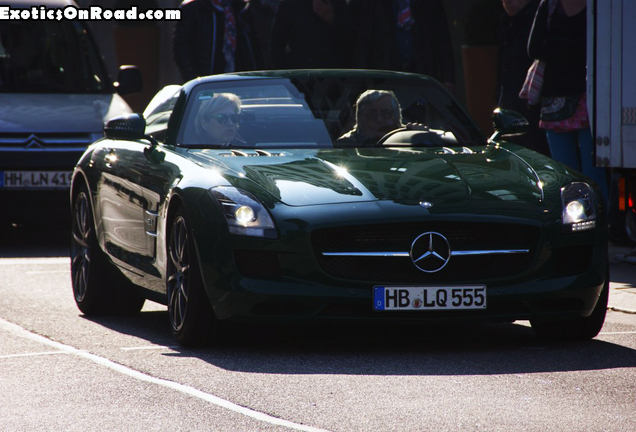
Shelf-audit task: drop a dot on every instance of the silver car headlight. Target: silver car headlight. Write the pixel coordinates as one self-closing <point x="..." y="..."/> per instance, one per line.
<point x="244" y="213"/>
<point x="579" y="207"/>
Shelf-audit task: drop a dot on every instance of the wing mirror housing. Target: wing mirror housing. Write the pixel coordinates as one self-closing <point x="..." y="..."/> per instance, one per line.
<point x="133" y="127"/>
<point x="129" y="126"/>
<point x="507" y="122"/>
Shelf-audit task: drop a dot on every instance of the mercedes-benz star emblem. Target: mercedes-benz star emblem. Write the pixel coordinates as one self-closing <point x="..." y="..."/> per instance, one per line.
<point x="430" y="252"/>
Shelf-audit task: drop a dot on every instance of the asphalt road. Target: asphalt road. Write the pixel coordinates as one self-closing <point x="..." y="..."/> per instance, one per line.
<point x="62" y="371"/>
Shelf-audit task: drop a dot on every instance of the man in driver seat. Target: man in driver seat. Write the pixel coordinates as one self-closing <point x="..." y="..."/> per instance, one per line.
<point x="377" y="113"/>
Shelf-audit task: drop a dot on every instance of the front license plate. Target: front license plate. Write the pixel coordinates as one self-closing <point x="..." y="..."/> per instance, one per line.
<point x="429" y="297"/>
<point x="35" y="179"/>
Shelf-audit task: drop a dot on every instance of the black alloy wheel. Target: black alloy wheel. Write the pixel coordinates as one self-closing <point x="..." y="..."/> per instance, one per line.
<point x="98" y="287"/>
<point x="81" y="247"/>
<point x="191" y="317"/>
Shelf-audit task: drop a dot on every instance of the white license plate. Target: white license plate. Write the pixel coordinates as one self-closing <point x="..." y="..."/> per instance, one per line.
<point x="35" y="179"/>
<point x="429" y="297"/>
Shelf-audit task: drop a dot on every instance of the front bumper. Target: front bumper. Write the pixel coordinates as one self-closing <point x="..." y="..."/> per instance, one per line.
<point x="287" y="283"/>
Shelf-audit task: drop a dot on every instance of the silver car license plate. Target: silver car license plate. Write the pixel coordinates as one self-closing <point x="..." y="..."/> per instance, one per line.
<point x="35" y="179"/>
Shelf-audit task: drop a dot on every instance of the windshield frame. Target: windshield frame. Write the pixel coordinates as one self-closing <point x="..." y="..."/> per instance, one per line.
<point x="323" y="91"/>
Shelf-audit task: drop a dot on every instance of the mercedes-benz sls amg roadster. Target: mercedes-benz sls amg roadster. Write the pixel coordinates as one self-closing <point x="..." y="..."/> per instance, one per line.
<point x="279" y="219"/>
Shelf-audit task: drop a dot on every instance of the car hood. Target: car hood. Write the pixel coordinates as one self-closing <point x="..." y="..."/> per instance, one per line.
<point x="33" y="113"/>
<point x="304" y="177"/>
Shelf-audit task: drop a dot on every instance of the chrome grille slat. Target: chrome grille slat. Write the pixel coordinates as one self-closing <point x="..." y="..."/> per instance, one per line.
<point x="45" y="141"/>
<point x="381" y="253"/>
<point x="406" y="254"/>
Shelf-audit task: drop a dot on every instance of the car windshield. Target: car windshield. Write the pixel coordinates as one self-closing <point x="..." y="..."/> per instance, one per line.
<point x="307" y="111"/>
<point x="49" y="57"/>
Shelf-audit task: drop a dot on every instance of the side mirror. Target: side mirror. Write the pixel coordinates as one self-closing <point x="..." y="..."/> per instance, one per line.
<point x="129" y="126"/>
<point x="128" y="80"/>
<point x="507" y="122"/>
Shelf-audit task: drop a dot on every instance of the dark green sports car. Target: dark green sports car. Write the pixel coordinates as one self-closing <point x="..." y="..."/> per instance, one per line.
<point x="295" y="196"/>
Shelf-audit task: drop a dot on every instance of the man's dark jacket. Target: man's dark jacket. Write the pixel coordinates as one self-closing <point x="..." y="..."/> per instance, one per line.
<point x="375" y="44"/>
<point x="302" y="40"/>
<point x="199" y="35"/>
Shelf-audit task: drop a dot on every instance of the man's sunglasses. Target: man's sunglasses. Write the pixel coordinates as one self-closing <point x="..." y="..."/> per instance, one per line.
<point x="225" y="118"/>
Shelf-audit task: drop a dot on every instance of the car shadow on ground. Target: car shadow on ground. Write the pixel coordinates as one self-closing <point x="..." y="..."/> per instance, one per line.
<point x="351" y="349"/>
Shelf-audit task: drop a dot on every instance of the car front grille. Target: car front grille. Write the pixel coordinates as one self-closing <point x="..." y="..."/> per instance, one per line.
<point x="18" y="142"/>
<point x="354" y="242"/>
<point x="257" y="263"/>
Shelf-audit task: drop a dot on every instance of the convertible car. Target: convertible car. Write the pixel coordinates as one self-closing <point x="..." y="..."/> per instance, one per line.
<point x="433" y="223"/>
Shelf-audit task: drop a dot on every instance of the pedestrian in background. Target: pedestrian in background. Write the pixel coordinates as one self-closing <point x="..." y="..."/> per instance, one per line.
<point x="311" y="34"/>
<point x="403" y="35"/>
<point x="263" y="13"/>
<point x="212" y="37"/>
<point x="561" y="43"/>
<point x="513" y="59"/>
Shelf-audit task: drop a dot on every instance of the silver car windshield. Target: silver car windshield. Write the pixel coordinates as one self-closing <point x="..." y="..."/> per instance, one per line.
<point x="49" y="57"/>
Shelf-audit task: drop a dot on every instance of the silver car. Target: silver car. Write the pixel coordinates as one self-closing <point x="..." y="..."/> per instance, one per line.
<point x="55" y="95"/>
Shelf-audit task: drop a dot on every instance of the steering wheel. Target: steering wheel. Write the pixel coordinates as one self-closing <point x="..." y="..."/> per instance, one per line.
<point x="386" y="136"/>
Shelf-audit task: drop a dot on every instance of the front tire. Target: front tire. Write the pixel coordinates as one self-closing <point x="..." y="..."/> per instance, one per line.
<point x="98" y="287"/>
<point x="191" y="317"/>
<point x="577" y="328"/>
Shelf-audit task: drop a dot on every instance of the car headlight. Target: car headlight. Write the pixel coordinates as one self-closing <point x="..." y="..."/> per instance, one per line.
<point x="579" y="207"/>
<point x="244" y="214"/>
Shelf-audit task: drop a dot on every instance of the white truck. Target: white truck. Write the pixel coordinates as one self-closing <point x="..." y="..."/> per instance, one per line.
<point x="611" y="88"/>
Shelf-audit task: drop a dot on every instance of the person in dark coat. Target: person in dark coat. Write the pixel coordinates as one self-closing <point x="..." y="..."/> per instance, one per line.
<point x="514" y="62"/>
<point x="560" y="40"/>
<point x="212" y="37"/>
<point x="403" y="35"/>
<point x="262" y="15"/>
<point x="310" y="34"/>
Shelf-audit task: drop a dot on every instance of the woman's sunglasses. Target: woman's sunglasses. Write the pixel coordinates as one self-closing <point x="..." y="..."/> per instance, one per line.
<point x="225" y="118"/>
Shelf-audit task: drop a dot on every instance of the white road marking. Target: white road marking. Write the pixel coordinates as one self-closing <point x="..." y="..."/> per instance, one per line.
<point x="153" y="347"/>
<point x="22" y="332"/>
<point x="48" y="272"/>
<point x="34" y="261"/>
<point x="32" y="354"/>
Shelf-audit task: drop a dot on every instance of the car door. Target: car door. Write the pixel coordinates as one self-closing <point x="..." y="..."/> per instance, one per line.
<point x="122" y="203"/>
<point x="136" y="180"/>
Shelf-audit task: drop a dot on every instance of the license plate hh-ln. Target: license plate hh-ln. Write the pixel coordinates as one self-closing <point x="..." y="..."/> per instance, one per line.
<point x="429" y="297"/>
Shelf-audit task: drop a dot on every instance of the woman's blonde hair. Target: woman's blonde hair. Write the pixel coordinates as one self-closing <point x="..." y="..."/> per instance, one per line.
<point x="216" y="103"/>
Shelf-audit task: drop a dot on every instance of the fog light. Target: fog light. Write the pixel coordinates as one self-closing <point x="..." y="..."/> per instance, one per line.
<point x="583" y="226"/>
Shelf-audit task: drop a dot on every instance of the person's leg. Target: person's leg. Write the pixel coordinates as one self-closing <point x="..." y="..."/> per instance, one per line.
<point x="564" y="147"/>
<point x="588" y="161"/>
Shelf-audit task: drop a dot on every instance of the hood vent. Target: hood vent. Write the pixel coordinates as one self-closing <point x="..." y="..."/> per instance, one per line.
<point x="249" y="153"/>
